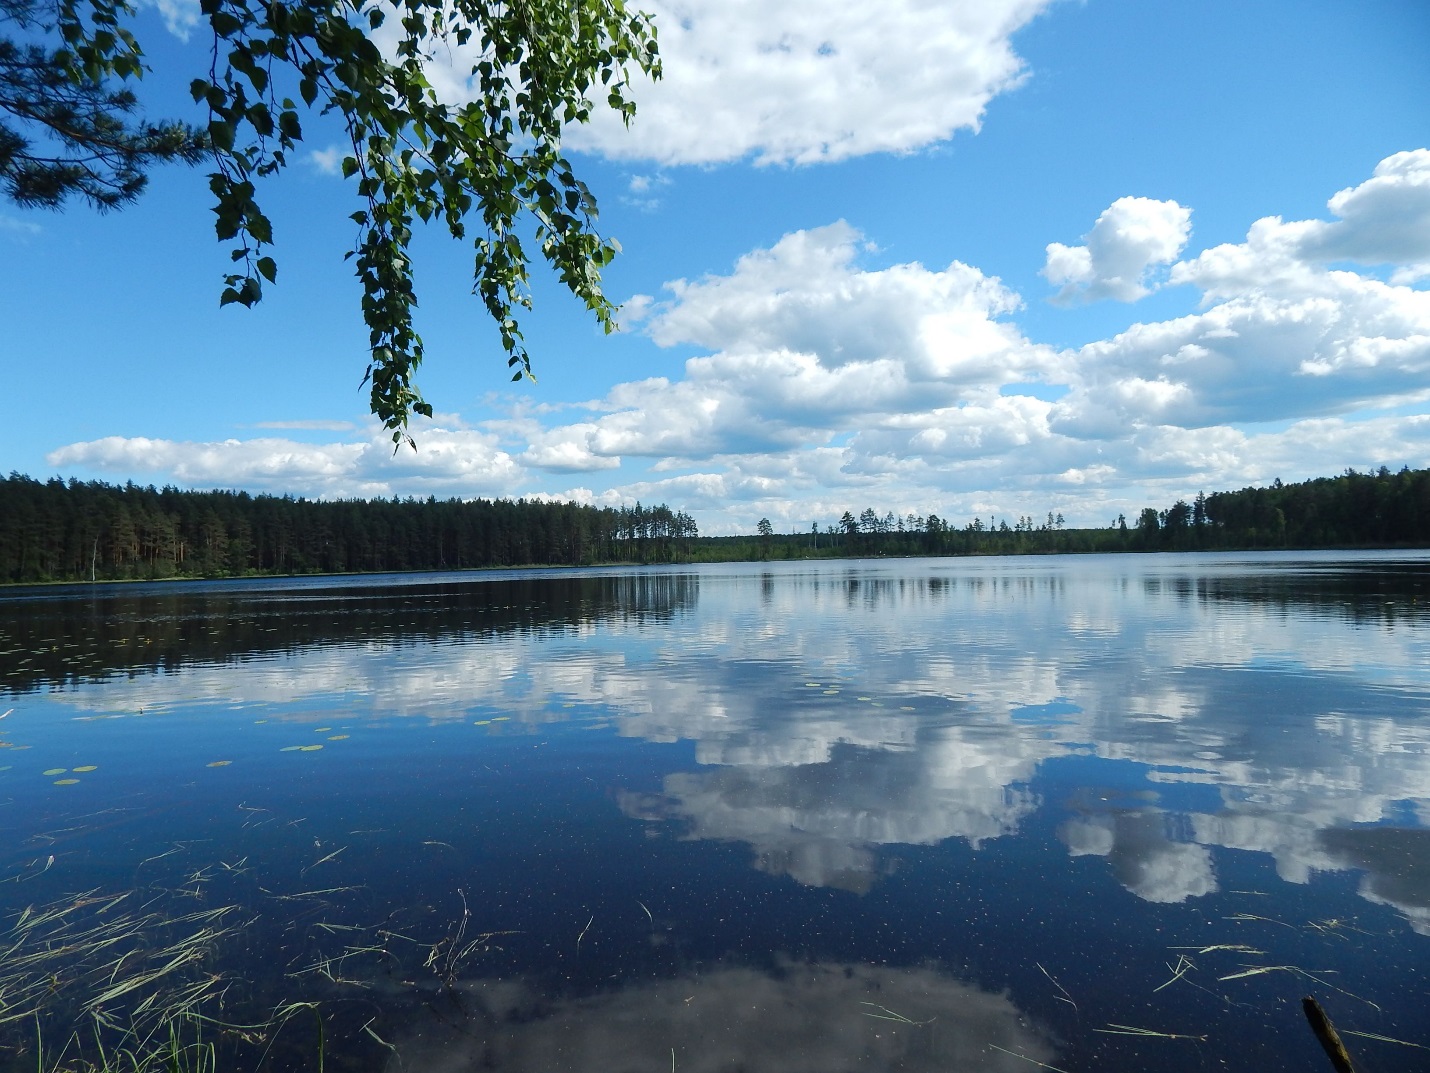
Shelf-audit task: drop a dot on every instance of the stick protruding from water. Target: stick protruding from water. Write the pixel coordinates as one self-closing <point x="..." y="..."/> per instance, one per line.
<point x="1327" y="1034"/>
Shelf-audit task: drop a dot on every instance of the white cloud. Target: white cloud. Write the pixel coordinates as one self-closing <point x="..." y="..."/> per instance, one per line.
<point x="328" y="161"/>
<point x="804" y="81"/>
<point x="808" y="343"/>
<point x="1283" y="337"/>
<point x="821" y="380"/>
<point x="450" y="462"/>
<point x="16" y="226"/>
<point x="567" y="450"/>
<point x="180" y="16"/>
<point x="641" y="191"/>
<point x="1131" y="236"/>
<point x="1384" y="220"/>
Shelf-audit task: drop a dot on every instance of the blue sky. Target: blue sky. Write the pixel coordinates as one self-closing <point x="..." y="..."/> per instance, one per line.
<point x="994" y="258"/>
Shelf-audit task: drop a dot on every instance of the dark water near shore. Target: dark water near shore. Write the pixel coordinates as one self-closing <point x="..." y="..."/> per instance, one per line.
<point x="1107" y="813"/>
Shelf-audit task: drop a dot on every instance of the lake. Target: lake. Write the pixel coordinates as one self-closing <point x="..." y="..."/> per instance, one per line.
<point x="1102" y="812"/>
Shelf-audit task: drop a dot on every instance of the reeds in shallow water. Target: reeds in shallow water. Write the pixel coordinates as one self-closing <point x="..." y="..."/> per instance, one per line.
<point x="105" y="983"/>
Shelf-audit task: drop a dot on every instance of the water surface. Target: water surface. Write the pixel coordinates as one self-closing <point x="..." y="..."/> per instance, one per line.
<point x="1090" y="812"/>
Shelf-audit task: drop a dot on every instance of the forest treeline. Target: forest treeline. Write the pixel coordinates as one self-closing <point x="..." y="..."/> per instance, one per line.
<point x="1373" y="509"/>
<point x="78" y="531"/>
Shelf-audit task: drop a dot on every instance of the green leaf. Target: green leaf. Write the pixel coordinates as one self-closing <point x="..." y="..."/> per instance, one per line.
<point x="221" y="134"/>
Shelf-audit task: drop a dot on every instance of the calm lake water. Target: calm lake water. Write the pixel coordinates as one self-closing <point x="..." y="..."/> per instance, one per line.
<point x="1098" y="813"/>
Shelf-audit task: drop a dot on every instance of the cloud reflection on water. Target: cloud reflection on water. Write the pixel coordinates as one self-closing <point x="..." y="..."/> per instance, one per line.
<point x="802" y="1018"/>
<point x="1297" y="698"/>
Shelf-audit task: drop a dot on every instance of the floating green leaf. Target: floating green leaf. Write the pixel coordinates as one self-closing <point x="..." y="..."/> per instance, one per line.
<point x="65" y="782"/>
<point x="338" y="737"/>
<point x="308" y="748"/>
<point x="87" y="767"/>
<point x="54" y="771"/>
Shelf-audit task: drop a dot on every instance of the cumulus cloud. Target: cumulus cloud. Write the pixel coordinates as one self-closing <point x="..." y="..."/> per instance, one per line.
<point x="1384" y="220"/>
<point x="799" y="82"/>
<point x="453" y="462"/>
<point x="811" y="81"/>
<point x="567" y="450"/>
<point x="1283" y="335"/>
<point x="1130" y="237"/>
<point x="826" y="376"/>
<point x="808" y="343"/>
<point x="821" y="378"/>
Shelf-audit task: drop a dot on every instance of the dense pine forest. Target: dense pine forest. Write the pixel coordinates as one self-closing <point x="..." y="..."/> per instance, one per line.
<point x="80" y="531"/>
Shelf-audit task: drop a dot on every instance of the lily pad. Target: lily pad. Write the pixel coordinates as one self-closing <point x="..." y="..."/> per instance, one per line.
<point x="220" y="763"/>
<point x="338" y="737"/>
<point x="54" y="771"/>
<point x="65" y="782"/>
<point x="308" y="748"/>
<point x="87" y="767"/>
<point x="482" y="723"/>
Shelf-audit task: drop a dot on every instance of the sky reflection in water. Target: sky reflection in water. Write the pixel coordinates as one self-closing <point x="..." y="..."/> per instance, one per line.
<point x="925" y="814"/>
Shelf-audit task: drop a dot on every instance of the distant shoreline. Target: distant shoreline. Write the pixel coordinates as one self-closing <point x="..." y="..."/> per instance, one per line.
<point x="81" y="533"/>
<point x="562" y="568"/>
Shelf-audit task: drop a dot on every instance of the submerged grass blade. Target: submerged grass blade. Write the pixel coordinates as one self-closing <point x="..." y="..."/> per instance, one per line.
<point x="1065" y="997"/>
<point x="1024" y="1057"/>
<point x="887" y="1014"/>
<point x="1148" y="1033"/>
<point x="1383" y="1039"/>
